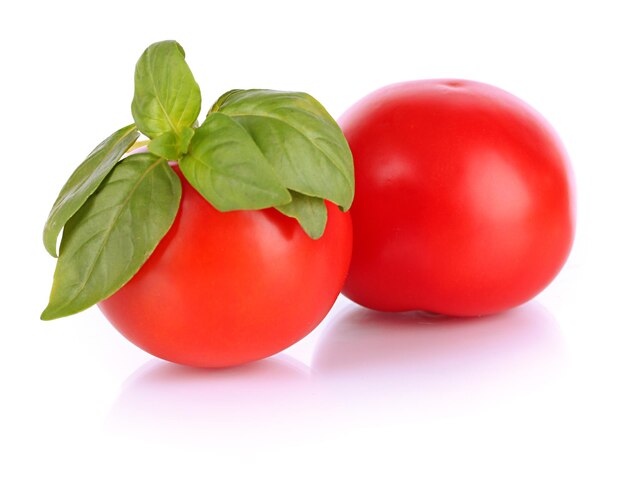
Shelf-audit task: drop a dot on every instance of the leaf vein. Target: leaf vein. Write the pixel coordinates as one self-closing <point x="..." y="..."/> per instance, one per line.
<point x="337" y="165"/>
<point x="115" y="218"/>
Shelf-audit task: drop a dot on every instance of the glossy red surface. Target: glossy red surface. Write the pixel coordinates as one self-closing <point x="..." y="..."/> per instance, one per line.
<point x="464" y="199"/>
<point x="227" y="288"/>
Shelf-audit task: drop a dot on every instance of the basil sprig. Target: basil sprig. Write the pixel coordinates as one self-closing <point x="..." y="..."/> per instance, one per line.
<point x="255" y="149"/>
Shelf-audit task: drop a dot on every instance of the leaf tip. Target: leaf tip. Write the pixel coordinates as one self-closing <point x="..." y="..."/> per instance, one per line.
<point x="315" y="235"/>
<point x="49" y="314"/>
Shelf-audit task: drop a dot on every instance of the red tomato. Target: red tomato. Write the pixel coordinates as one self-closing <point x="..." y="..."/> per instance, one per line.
<point x="226" y="288"/>
<point x="464" y="199"/>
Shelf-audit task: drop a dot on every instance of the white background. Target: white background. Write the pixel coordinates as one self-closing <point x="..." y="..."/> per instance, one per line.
<point x="537" y="391"/>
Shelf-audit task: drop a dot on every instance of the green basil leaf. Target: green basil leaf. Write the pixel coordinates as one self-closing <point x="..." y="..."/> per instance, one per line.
<point x="170" y="146"/>
<point x="185" y="140"/>
<point x="165" y="146"/>
<point x="112" y="235"/>
<point x="167" y="97"/>
<point x="226" y="166"/>
<point x="299" y="138"/>
<point x="84" y="181"/>
<point x="310" y="212"/>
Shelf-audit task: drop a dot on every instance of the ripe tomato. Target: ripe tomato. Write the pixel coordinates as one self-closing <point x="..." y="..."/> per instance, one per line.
<point x="464" y="199"/>
<point x="226" y="288"/>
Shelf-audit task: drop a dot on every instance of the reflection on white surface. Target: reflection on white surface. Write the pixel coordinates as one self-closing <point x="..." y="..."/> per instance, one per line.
<point x="438" y="363"/>
<point x="163" y="400"/>
<point x="367" y="366"/>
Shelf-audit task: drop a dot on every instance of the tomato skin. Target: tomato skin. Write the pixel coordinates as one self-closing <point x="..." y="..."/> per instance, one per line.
<point x="464" y="199"/>
<point x="222" y="289"/>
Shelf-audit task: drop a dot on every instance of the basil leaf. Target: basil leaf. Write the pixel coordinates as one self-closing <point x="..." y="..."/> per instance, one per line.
<point x="228" y="169"/>
<point x="310" y="212"/>
<point x="185" y="140"/>
<point x="108" y="240"/>
<point x="299" y="138"/>
<point x="170" y="146"/>
<point x="167" y="97"/>
<point x="165" y="146"/>
<point x="84" y="181"/>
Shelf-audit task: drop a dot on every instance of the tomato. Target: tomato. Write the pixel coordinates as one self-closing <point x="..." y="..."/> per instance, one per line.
<point x="464" y="199"/>
<point x="226" y="288"/>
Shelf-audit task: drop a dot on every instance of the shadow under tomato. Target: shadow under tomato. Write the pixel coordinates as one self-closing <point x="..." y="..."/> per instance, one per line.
<point x="437" y="362"/>
<point x="164" y="401"/>
<point x="368" y="368"/>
